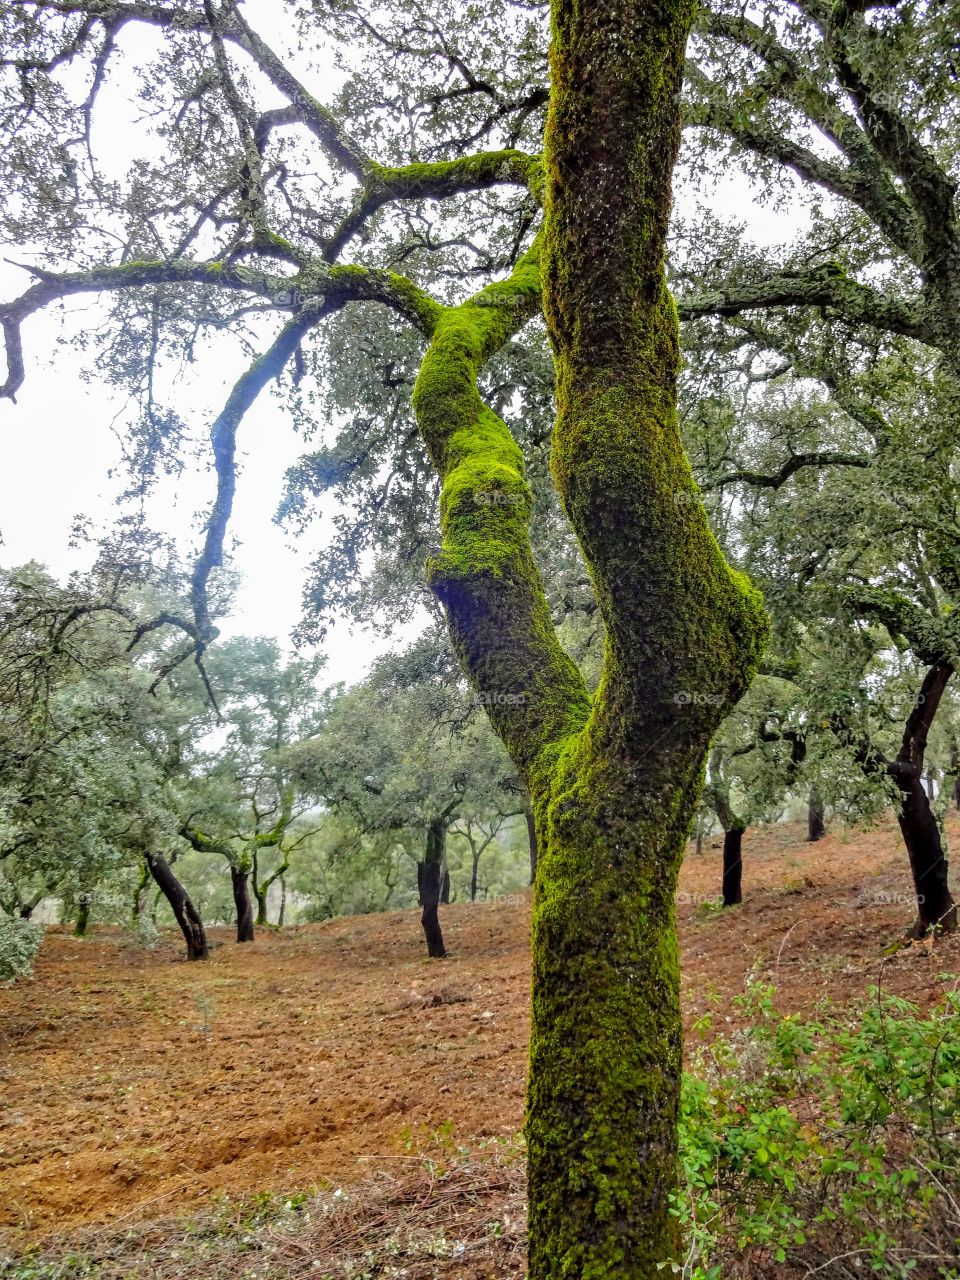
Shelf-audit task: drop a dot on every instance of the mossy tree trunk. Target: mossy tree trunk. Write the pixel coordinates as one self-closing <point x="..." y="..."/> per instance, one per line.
<point x="531" y="839"/>
<point x="186" y="914"/>
<point x="82" y="922"/>
<point x="139" y="893"/>
<point x="614" y="779"/>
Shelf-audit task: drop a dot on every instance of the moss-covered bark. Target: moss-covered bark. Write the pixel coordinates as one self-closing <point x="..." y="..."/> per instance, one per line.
<point x="614" y="780"/>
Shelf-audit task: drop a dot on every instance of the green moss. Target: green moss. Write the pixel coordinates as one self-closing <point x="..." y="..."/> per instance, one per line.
<point x="615" y="780"/>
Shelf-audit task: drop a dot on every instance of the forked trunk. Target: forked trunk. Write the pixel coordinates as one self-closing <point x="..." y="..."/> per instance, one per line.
<point x="732" y="867"/>
<point x="186" y="914"/>
<point x="241" y="900"/>
<point x="429" y="877"/>
<point x="816" y="829"/>
<point x="614" y="778"/>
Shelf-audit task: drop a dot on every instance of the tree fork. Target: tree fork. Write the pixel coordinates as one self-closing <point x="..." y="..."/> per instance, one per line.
<point x="614" y="780"/>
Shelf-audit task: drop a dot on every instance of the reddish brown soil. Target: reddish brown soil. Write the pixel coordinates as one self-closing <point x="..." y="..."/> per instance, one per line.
<point x="133" y="1084"/>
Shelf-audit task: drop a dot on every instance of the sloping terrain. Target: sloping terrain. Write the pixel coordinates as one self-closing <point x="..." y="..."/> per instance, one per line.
<point x="135" y="1086"/>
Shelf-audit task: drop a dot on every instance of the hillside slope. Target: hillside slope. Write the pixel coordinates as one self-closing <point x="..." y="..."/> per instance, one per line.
<point x="134" y="1085"/>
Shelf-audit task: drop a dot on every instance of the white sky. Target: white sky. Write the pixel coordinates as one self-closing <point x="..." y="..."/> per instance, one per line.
<point x="60" y="443"/>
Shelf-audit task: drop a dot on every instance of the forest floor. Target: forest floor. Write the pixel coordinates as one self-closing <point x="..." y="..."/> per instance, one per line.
<point x="326" y="1094"/>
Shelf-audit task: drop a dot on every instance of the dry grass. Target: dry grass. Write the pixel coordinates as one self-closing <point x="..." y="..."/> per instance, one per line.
<point x="418" y="1218"/>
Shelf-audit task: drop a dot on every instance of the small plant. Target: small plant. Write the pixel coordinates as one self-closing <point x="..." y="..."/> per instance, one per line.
<point x="814" y="1144"/>
<point x="206" y="1007"/>
<point x="19" y="943"/>
<point x="142" y="933"/>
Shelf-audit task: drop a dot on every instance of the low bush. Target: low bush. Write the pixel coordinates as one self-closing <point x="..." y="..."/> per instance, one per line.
<point x="826" y="1148"/>
<point x="19" y="943"/>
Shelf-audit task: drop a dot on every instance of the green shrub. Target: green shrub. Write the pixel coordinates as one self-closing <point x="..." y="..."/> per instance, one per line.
<point x="830" y="1147"/>
<point x="19" y="943"/>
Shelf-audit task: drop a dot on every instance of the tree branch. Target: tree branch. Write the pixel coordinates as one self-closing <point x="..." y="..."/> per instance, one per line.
<point x="825" y="286"/>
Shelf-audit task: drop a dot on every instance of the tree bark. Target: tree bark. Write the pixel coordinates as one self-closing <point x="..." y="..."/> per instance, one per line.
<point x="474" y="874"/>
<point x="614" y="778"/>
<point x="283" y="901"/>
<point x="187" y="916"/>
<point x="816" y="829"/>
<point x="429" y="878"/>
<point x="531" y="839"/>
<point x="921" y="833"/>
<point x="259" y="892"/>
<point x="241" y="900"/>
<point x="732" y="867"/>
<point x="918" y="825"/>
<point x="83" y="917"/>
<point x="445" y="884"/>
<point x="261" y="898"/>
<point x="139" y="893"/>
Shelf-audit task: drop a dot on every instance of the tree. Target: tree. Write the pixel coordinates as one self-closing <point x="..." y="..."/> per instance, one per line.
<point x="221" y="222"/>
<point x="236" y="795"/>
<point x="407" y="752"/>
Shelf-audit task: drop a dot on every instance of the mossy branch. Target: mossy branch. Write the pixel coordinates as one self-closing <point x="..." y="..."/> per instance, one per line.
<point x="485" y="575"/>
<point x="825" y="286"/>
<point x="440" y="180"/>
<point x="316" y="285"/>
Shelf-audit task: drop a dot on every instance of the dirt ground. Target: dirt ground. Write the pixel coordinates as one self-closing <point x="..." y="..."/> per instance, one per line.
<point x="133" y="1084"/>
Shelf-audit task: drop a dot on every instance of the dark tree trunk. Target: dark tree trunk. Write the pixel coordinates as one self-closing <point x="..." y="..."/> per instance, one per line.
<point x="956" y="792"/>
<point x="921" y="835"/>
<point x="283" y="901"/>
<point x="241" y="900"/>
<point x="83" y="917"/>
<point x="187" y="916"/>
<point x="445" y="886"/>
<point x="531" y="839"/>
<point x="816" y="829"/>
<point x="420" y="866"/>
<point x="474" y="873"/>
<point x="428" y="875"/>
<point x="732" y="867"/>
